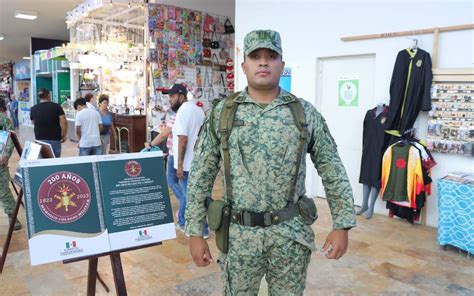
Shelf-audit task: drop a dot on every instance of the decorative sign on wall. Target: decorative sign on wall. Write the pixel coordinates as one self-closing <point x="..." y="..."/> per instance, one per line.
<point x="348" y="91"/>
<point x="285" y="79"/>
<point x="21" y="70"/>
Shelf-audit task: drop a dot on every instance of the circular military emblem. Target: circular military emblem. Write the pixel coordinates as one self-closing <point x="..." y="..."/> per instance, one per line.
<point x="418" y="63"/>
<point x="133" y="168"/>
<point x="64" y="197"/>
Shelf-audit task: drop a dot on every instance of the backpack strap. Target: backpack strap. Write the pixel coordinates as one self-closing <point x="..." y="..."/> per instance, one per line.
<point x="226" y="122"/>
<point x="299" y="118"/>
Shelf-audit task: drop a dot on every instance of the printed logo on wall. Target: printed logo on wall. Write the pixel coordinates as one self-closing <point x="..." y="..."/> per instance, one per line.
<point x="348" y="91"/>
<point x="285" y="79"/>
<point x="64" y="197"/>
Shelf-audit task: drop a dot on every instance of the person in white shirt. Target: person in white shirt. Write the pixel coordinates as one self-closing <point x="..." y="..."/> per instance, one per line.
<point x="188" y="122"/>
<point x="88" y="127"/>
<point x="90" y="101"/>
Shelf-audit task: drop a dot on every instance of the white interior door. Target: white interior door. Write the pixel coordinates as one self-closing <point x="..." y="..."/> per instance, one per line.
<point x="345" y="91"/>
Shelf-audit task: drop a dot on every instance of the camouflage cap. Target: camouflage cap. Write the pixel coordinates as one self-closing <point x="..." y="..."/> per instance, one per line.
<point x="262" y="39"/>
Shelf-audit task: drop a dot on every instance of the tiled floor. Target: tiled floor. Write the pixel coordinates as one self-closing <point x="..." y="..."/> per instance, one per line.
<point x="385" y="257"/>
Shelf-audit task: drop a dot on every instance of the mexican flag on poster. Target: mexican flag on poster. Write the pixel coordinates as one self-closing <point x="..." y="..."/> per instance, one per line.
<point x="81" y="206"/>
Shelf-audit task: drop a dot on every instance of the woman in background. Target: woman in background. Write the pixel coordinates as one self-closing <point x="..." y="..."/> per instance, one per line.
<point x="107" y="123"/>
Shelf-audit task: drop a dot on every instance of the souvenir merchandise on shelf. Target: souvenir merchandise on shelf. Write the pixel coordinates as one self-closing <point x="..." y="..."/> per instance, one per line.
<point x="109" y="57"/>
<point x="6" y="79"/>
<point x="190" y="47"/>
<point x="141" y="49"/>
<point x="451" y="123"/>
<point x="460" y="177"/>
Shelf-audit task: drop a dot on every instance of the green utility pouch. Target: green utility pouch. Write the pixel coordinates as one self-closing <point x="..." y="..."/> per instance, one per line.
<point x="215" y="213"/>
<point x="218" y="218"/>
<point x="307" y="210"/>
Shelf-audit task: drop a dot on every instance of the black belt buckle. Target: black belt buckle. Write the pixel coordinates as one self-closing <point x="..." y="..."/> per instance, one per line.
<point x="247" y="219"/>
<point x="252" y="219"/>
<point x="258" y="219"/>
<point x="268" y="218"/>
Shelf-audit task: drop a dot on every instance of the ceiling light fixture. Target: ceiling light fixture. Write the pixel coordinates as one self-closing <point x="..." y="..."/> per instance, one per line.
<point x="27" y="15"/>
<point x="2" y="37"/>
<point x="27" y="58"/>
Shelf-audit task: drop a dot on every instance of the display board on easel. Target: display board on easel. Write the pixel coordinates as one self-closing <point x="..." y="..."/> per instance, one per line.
<point x="76" y="208"/>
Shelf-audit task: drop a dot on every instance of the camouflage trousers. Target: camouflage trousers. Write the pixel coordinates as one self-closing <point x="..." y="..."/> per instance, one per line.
<point x="6" y="196"/>
<point x="283" y="261"/>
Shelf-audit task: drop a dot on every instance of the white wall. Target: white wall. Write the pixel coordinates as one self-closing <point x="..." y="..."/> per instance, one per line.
<point x="312" y="29"/>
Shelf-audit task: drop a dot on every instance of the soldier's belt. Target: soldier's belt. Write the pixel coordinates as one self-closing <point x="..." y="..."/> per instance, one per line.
<point x="264" y="219"/>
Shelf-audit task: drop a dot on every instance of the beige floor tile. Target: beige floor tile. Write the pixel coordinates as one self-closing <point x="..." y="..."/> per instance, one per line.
<point x="385" y="257"/>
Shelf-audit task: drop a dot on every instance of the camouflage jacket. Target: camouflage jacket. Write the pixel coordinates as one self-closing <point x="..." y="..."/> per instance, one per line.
<point x="263" y="156"/>
<point x="6" y="125"/>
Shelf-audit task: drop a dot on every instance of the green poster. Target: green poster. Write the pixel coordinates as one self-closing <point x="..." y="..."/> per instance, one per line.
<point x="64" y="198"/>
<point x="137" y="206"/>
<point x="63" y="209"/>
<point x="348" y="92"/>
<point x="81" y="206"/>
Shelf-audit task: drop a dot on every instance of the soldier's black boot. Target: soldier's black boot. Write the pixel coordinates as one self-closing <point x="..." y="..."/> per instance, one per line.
<point x="17" y="222"/>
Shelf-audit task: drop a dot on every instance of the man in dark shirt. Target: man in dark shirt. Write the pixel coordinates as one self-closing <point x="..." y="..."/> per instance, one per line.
<point x="50" y="121"/>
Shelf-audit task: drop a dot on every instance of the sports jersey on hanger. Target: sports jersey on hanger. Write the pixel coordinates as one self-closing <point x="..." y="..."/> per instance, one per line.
<point x="402" y="175"/>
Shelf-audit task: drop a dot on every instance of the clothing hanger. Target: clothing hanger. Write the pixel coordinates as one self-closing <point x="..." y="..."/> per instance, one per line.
<point x="407" y="137"/>
<point x="414" y="46"/>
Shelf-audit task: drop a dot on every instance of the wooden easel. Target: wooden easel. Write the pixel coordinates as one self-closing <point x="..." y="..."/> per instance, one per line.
<point x="117" y="270"/>
<point x="45" y="153"/>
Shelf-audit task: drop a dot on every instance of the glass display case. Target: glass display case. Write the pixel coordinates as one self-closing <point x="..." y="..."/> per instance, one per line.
<point x="68" y="108"/>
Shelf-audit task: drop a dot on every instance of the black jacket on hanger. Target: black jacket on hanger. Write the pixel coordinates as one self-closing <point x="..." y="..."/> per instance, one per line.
<point x="409" y="88"/>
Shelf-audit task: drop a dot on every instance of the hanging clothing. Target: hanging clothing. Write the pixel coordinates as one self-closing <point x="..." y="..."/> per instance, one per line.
<point x="409" y="88"/>
<point x="406" y="180"/>
<point x="402" y="175"/>
<point x="372" y="147"/>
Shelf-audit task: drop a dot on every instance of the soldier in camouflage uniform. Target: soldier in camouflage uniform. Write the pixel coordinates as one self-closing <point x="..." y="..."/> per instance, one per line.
<point x="263" y="147"/>
<point x="5" y="194"/>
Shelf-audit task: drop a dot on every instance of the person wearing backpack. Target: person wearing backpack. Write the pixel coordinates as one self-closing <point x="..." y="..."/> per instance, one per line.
<point x="262" y="135"/>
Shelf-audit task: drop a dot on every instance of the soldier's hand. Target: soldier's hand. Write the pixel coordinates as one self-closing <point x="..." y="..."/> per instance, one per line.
<point x="336" y="243"/>
<point x="200" y="251"/>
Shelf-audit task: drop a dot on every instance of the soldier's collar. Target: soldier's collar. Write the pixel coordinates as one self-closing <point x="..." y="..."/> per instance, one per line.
<point x="283" y="97"/>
